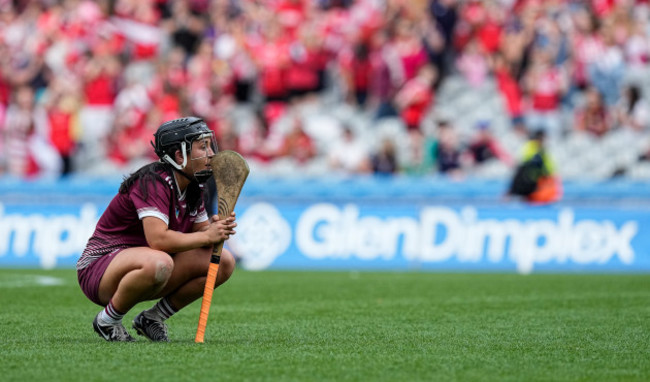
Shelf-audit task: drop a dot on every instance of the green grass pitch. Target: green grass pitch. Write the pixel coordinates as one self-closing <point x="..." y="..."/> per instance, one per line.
<point x="344" y="326"/>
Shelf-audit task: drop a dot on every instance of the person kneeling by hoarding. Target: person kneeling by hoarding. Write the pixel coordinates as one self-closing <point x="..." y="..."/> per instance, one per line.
<point x="535" y="179"/>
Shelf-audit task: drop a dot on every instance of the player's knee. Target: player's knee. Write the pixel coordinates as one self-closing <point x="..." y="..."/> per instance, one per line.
<point x="159" y="269"/>
<point x="163" y="270"/>
<point x="228" y="261"/>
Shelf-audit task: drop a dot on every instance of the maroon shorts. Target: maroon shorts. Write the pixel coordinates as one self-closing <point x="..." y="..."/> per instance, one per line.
<point x="90" y="276"/>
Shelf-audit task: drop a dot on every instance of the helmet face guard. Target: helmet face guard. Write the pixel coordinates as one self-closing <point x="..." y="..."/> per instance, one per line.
<point x="207" y="145"/>
<point x="181" y="134"/>
<point x="203" y="147"/>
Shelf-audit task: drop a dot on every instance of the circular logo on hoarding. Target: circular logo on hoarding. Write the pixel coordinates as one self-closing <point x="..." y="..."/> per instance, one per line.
<point x="262" y="235"/>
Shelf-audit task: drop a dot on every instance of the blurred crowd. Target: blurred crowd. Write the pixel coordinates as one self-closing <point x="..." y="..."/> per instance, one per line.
<point x="84" y="84"/>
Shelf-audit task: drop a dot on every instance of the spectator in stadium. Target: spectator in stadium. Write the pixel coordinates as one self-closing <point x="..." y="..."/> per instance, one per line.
<point x="508" y="87"/>
<point x="272" y="58"/>
<point x="201" y="53"/>
<point x="551" y="35"/>
<point x="444" y="15"/>
<point x="593" y="117"/>
<point x="473" y="64"/>
<point x="305" y="56"/>
<point x="131" y="107"/>
<point x="384" y="161"/>
<point x="357" y="73"/>
<point x="387" y="77"/>
<point x="254" y="141"/>
<point x="416" y="97"/>
<point x="535" y="179"/>
<point x="154" y="240"/>
<point x="645" y="153"/>
<point x="62" y="107"/>
<point x="29" y="150"/>
<point x="516" y="38"/>
<point x="632" y="111"/>
<point x="586" y="45"/>
<point x="419" y="156"/>
<point x="185" y="25"/>
<point x="435" y="44"/>
<point x="298" y="145"/>
<point x="484" y="146"/>
<point x="545" y="84"/>
<point x="448" y="153"/>
<point x="350" y="155"/>
<point x="232" y="55"/>
<point x="127" y="142"/>
<point x="490" y="30"/>
<point x="410" y="47"/>
<point x="606" y="73"/>
<point x="637" y="46"/>
<point x="227" y="137"/>
<point x="100" y="79"/>
<point x="5" y="90"/>
<point x="200" y="67"/>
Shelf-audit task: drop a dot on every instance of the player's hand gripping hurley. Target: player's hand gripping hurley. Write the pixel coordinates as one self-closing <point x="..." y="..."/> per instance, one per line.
<point x="230" y="171"/>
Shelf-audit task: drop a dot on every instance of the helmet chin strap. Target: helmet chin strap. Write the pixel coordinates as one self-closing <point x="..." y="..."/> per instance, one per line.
<point x="177" y="166"/>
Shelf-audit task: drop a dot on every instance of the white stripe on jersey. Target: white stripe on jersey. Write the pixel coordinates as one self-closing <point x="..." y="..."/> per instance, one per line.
<point x="151" y="211"/>
<point x="203" y="216"/>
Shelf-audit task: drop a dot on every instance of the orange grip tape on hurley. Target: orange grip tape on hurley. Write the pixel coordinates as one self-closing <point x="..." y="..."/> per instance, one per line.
<point x="230" y="171"/>
<point x="207" y="300"/>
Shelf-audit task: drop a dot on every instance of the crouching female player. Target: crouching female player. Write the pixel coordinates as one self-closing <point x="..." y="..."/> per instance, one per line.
<point x="154" y="241"/>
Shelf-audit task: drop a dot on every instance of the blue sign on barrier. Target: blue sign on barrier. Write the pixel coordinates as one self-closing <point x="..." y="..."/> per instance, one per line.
<point x="45" y="236"/>
<point x="434" y="237"/>
<point x="366" y="233"/>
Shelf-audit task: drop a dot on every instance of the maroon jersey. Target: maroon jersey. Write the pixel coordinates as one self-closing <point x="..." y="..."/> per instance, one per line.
<point x="120" y="226"/>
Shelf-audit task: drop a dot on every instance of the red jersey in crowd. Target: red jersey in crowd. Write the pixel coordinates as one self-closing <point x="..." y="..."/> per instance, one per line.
<point x="61" y="131"/>
<point x="100" y="91"/>
<point x="547" y="91"/>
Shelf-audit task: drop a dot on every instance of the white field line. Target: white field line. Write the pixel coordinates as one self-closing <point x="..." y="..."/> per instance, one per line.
<point x="29" y="281"/>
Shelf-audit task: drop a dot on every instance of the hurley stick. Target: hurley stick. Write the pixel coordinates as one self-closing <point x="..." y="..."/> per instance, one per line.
<point x="230" y="171"/>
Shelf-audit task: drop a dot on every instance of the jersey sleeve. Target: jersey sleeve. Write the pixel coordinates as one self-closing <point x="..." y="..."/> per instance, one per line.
<point x="157" y="201"/>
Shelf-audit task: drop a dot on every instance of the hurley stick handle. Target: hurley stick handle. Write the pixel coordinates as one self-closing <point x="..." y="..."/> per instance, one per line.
<point x="207" y="300"/>
<point x="230" y="171"/>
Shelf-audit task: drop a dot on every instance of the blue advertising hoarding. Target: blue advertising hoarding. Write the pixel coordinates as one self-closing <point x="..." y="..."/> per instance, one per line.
<point x="362" y="234"/>
<point x="463" y="237"/>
